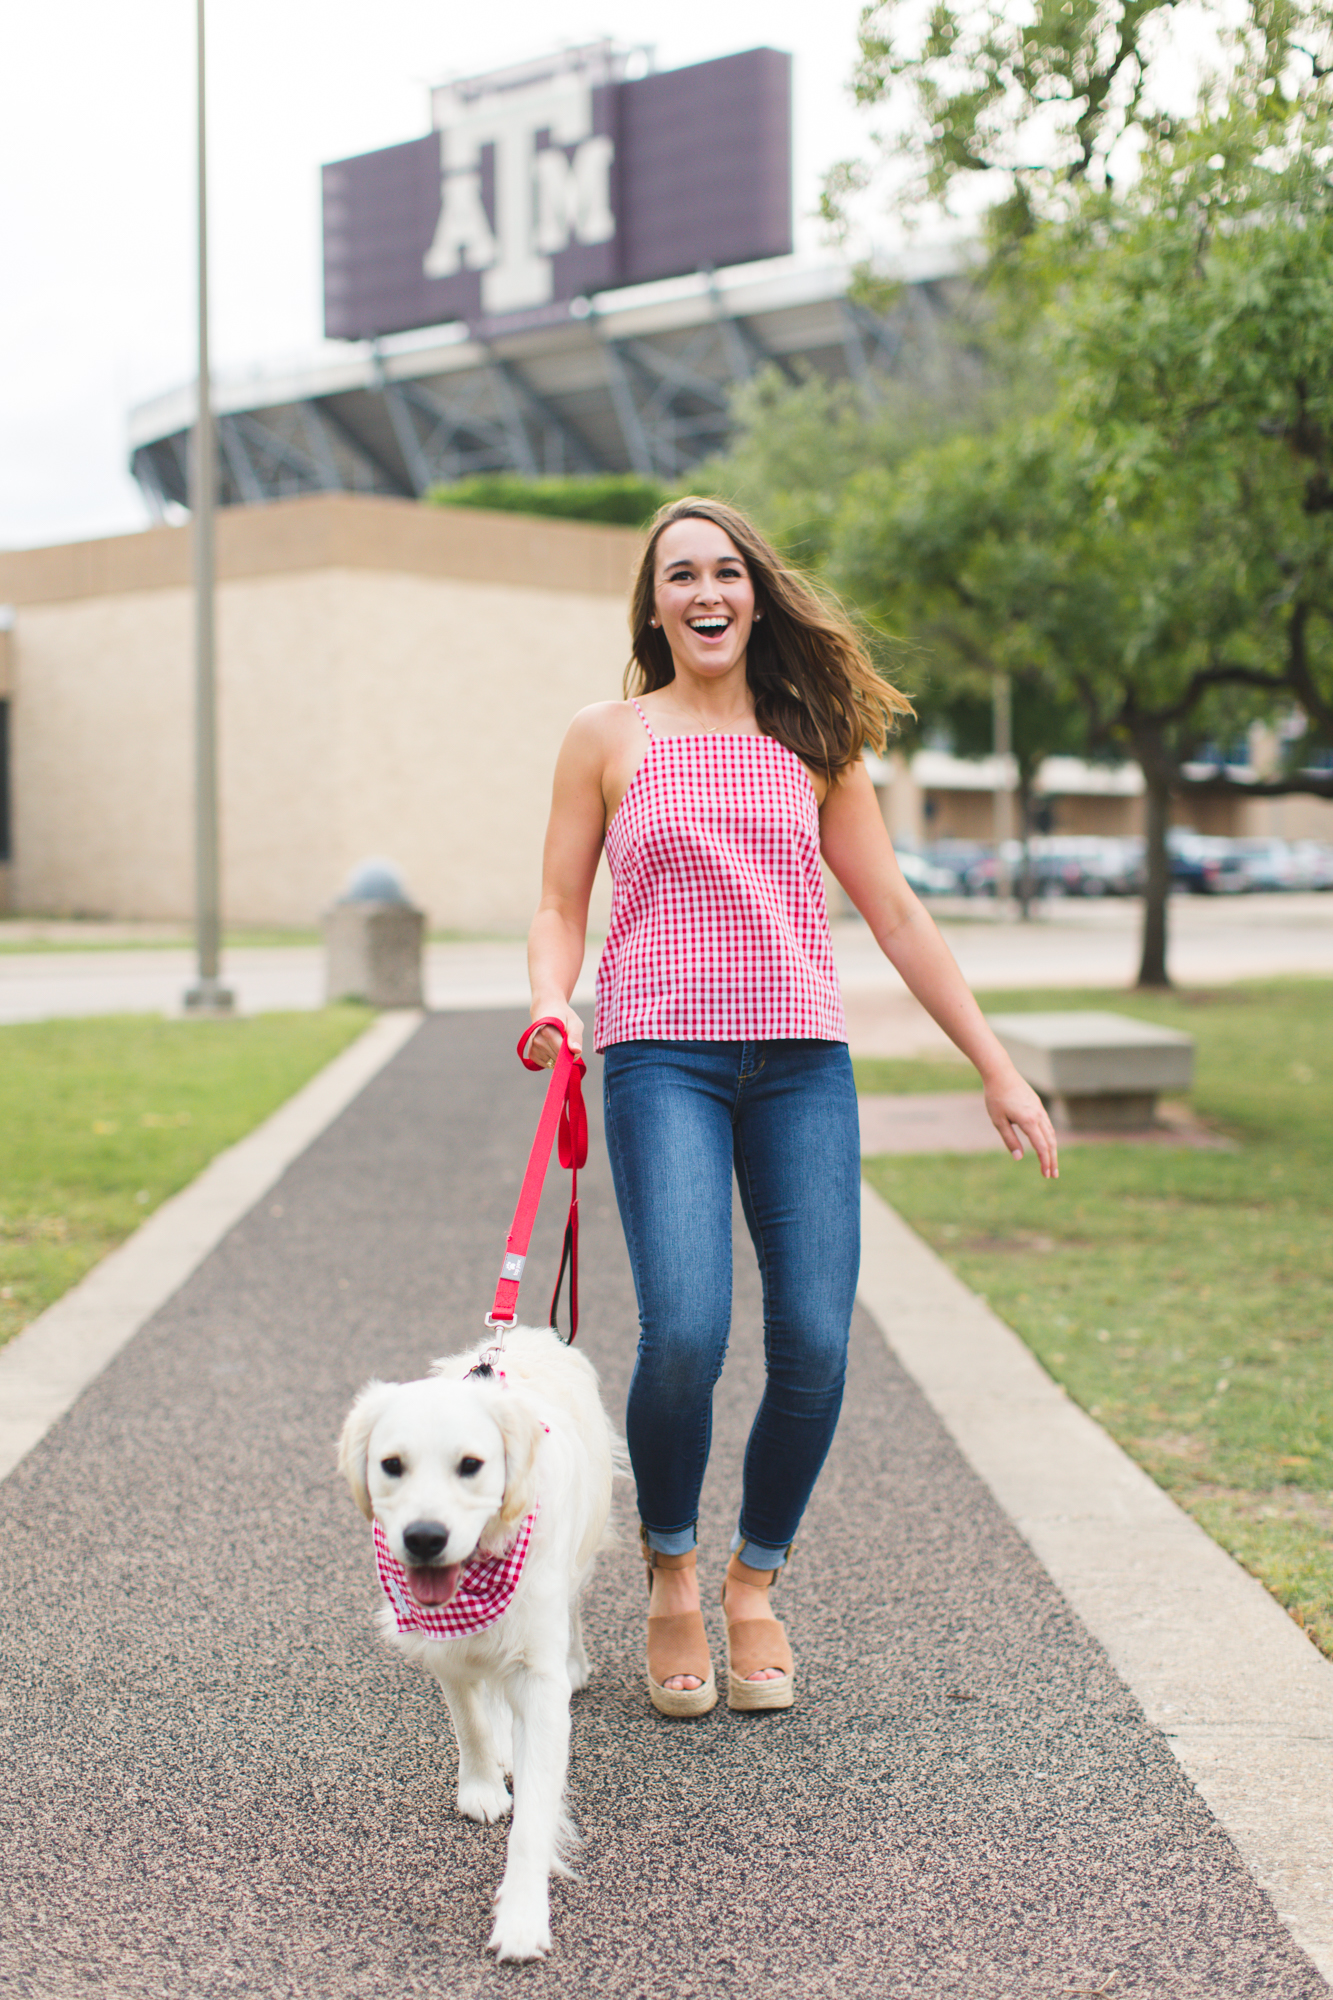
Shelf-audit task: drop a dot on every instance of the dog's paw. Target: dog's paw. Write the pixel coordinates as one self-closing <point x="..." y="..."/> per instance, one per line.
<point x="520" y="1932"/>
<point x="579" y="1667"/>
<point x="485" y="1799"/>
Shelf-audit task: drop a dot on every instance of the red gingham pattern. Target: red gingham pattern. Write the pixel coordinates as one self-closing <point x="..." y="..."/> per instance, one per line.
<point x="484" y="1592"/>
<point x="719" y="927"/>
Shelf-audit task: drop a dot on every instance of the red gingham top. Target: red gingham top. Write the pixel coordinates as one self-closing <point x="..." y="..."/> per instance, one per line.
<point x="719" y="927"/>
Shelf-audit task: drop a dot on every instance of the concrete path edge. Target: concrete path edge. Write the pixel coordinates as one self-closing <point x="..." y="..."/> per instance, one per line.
<point x="45" y="1369"/>
<point x="1243" y="1698"/>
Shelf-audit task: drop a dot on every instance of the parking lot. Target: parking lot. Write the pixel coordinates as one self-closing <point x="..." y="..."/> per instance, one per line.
<point x="1092" y="866"/>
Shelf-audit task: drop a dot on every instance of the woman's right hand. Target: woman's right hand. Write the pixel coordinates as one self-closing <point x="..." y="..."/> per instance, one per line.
<point x="544" y="1046"/>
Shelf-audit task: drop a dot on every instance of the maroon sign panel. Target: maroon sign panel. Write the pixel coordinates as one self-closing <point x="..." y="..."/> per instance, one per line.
<point x="540" y="190"/>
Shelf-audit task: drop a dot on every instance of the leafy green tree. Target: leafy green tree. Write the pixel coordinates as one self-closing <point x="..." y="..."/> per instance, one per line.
<point x="1184" y="483"/>
<point x="1010" y="554"/>
<point x="1023" y="111"/>
<point x="957" y="547"/>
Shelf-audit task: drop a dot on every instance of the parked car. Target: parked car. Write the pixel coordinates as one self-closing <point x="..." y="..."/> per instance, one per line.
<point x="928" y="878"/>
<point x="956" y="855"/>
<point x="981" y="875"/>
<point x="1087" y="865"/>
<point x="1314" y="861"/>
<point x="1266" y="864"/>
<point x="1204" y="865"/>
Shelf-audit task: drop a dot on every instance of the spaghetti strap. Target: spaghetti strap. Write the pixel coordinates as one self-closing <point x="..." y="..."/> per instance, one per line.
<point x="642" y="717"/>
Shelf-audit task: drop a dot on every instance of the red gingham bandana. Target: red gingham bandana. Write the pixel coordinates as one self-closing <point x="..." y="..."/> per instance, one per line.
<point x="483" y="1596"/>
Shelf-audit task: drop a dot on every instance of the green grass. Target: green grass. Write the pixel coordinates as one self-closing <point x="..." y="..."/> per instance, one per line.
<point x="167" y="941"/>
<point x="1183" y="1297"/>
<point x="900" y="1076"/>
<point x="233" y="940"/>
<point x="101" y="1120"/>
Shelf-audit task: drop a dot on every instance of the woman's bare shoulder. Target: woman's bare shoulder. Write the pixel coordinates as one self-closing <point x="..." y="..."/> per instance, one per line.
<point x="603" y="725"/>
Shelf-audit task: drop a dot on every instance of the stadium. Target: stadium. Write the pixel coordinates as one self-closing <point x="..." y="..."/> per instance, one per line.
<point x="571" y="273"/>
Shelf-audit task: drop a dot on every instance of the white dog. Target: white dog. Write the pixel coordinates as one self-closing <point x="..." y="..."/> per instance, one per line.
<point x="489" y="1490"/>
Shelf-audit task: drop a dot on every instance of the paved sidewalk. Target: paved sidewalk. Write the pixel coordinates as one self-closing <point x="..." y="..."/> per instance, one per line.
<point x="1068" y="944"/>
<point x="217" y="1782"/>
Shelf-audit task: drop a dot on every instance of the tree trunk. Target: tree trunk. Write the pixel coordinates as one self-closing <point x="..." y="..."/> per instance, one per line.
<point x="1024" y="884"/>
<point x="1152" y="966"/>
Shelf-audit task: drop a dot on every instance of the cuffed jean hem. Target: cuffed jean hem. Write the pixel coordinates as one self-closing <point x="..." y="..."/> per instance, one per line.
<point x="756" y="1556"/>
<point x="677" y="1542"/>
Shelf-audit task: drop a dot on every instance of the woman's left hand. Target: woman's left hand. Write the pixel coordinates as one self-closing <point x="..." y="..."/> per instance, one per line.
<point x="1017" y="1112"/>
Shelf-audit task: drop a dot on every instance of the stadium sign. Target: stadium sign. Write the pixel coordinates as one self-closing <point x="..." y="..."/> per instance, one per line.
<point x="548" y="182"/>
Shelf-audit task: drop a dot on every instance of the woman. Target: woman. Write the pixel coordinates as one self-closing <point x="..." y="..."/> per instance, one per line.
<point x="715" y="792"/>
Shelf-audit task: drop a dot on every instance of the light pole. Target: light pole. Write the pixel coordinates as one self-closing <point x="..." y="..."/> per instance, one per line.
<point x="1002" y="714"/>
<point x="207" y="995"/>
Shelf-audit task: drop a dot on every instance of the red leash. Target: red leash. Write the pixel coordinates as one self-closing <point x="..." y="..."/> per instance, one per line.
<point x="564" y="1107"/>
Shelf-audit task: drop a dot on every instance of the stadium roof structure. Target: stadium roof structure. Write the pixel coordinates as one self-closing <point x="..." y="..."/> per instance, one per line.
<point x="629" y="381"/>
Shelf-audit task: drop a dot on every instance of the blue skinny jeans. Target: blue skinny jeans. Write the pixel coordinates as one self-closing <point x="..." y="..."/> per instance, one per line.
<point x="679" y="1115"/>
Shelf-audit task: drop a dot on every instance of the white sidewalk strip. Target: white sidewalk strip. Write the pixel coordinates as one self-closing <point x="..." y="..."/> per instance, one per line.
<point x="48" y="1366"/>
<point x="1243" y="1698"/>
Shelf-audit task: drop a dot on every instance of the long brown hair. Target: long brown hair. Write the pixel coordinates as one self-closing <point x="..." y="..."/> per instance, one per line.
<point x="815" y="686"/>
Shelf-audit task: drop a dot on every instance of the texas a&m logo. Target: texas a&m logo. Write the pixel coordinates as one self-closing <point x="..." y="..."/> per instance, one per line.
<point x="524" y="174"/>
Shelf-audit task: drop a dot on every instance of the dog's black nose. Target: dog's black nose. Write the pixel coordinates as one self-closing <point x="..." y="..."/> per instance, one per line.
<point x="425" y="1540"/>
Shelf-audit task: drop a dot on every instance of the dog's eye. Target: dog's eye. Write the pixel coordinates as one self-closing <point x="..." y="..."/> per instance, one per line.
<point x="468" y="1468"/>
<point x="392" y="1467"/>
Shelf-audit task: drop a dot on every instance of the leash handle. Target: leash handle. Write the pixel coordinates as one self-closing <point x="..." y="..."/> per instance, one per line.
<point x="563" y="1111"/>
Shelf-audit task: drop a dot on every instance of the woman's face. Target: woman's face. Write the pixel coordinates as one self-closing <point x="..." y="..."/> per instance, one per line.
<point x="703" y="598"/>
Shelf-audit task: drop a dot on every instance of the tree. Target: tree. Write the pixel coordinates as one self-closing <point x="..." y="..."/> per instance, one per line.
<point x="1186" y="478"/>
<point x="947" y="547"/>
<point x="1027" y="109"/>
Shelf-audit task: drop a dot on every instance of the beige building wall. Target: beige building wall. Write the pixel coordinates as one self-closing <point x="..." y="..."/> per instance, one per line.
<point x="1292" y="818"/>
<point x="401" y="690"/>
<point x="5" y="622"/>
<point x="393" y="680"/>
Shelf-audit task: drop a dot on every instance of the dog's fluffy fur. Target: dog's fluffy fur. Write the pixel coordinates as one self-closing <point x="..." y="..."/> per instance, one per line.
<point x="473" y="1456"/>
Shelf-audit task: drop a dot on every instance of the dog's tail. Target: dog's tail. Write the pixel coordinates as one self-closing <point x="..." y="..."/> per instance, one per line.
<point x="620" y="1469"/>
<point x="568" y="1841"/>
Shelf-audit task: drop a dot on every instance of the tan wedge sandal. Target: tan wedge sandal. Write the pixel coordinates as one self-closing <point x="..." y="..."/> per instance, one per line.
<point x="752" y="1645"/>
<point x="677" y="1645"/>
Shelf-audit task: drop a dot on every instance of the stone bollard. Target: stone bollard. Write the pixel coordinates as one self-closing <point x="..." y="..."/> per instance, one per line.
<point x="373" y="938"/>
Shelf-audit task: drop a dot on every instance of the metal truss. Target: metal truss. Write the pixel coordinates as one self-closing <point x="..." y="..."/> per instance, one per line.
<point x="655" y="403"/>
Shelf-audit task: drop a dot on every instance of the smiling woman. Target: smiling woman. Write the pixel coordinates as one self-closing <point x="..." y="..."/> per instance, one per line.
<point x="719" y="790"/>
<point x="813" y="686"/>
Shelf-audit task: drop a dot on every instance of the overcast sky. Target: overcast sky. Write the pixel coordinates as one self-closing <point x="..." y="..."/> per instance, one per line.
<point x="97" y="187"/>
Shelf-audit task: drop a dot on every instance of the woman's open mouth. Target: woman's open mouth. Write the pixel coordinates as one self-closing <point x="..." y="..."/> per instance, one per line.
<point x="710" y="628"/>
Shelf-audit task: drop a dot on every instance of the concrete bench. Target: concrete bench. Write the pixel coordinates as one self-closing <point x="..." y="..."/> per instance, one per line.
<point x="1097" y="1070"/>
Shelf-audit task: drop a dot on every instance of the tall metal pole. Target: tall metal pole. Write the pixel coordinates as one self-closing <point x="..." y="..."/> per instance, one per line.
<point x="207" y="995"/>
<point x="1002" y="714"/>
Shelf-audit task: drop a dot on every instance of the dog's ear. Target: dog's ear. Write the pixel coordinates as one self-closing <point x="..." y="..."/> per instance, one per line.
<point x="354" y="1443"/>
<point x="522" y="1431"/>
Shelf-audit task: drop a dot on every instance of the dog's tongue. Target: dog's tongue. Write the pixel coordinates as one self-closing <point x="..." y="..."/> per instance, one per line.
<point x="434" y="1586"/>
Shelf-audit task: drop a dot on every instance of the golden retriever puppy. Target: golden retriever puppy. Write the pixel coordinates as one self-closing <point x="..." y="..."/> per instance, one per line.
<point x="488" y="1486"/>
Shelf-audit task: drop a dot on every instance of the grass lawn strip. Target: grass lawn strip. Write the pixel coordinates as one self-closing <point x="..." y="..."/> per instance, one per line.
<point x="102" y="1119"/>
<point x="903" y="1076"/>
<point x="252" y="940"/>
<point x="1182" y="1297"/>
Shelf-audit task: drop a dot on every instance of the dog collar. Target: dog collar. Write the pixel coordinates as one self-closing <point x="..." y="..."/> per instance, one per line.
<point x="484" y="1591"/>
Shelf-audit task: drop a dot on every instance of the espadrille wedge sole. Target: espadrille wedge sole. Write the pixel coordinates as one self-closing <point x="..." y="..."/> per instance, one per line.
<point x="678" y="1647"/>
<point x="752" y="1645"/>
